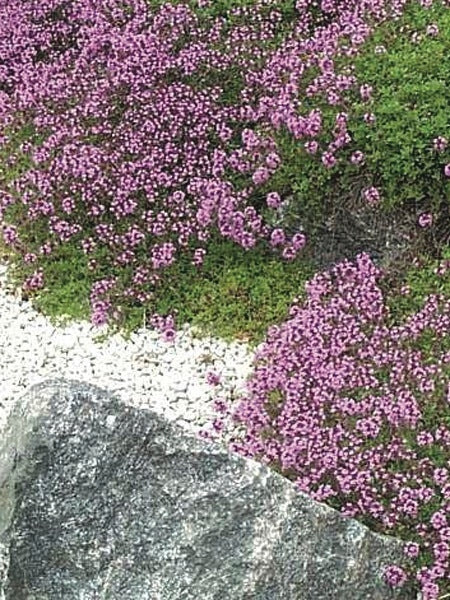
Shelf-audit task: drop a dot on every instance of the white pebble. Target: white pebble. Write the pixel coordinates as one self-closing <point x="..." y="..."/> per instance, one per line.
<point x="144" y="371"/>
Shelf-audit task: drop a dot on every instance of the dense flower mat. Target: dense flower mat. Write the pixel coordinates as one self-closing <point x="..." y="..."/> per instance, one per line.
<point x="134" y="132"/>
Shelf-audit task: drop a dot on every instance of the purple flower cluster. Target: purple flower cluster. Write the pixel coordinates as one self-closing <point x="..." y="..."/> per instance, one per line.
<point x="340" y="399"/>
<point x="131" y="157"/>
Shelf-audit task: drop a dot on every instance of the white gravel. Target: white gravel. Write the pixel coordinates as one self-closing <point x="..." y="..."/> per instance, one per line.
<point x="169" y="378"/>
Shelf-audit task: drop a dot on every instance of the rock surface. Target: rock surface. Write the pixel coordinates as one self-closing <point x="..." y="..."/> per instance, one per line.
<point x="346" y="231"/>
<point x="100" y="500"/>
<point x="385" y="237"/>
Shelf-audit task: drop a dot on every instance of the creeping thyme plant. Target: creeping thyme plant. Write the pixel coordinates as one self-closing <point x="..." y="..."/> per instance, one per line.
<point x="176" y="160"/>
<point x="355" y="409"/>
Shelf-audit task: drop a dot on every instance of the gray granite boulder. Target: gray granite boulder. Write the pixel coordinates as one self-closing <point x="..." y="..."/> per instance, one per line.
<point x="102" y="501"/>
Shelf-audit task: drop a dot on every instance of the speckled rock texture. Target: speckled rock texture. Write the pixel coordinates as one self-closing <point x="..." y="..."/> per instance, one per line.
<point x="102" y="501"/>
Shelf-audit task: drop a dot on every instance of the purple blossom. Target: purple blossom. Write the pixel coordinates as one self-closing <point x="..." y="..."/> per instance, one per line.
<point x="169" y="335"/>
<point x="357" y="158"/>
<point x="369" y="118"/>
<point x="372" y="195"/>
<point x="199" y="254"/>
<point x="30" y="257"/>
<point x="395" y="576"/>
<point x="432" y="30"/>
<point x="277" y="237"/>
<point x="273" y="160"/>
<point x="10" y="235"/>
<point x="411" y="549"/>
<point x="35" y="281"/>
<point x="366" y="92"/>
<point x="298" y="241"/>
<point x="425" y="219"/>
<point x="440" y="143"/>
<point x="261" y="175"/>
<point x="311" y="147"/>
<point x="328" y="159"/>
<point x="212" y="378"/>
<point x="273" y="200"/>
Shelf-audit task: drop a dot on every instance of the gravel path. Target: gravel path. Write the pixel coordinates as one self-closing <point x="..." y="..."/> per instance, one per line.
<point x="169" y="378"/>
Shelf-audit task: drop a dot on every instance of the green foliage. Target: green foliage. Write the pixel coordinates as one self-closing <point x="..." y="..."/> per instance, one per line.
<point x="23" y="132"/>
<point x="421" y="280"/>
<point x="412" y="107"/>
<point x="304" y="180"/>
<point x="235" y="294"/>
<point x="67" y="285"/>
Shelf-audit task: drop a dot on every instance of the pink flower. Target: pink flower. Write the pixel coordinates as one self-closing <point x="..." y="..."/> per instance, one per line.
<point x="357" y="158"/>
<point x="212" y="378"/>
<point x="326" y="64"/>
<point x="447" y="170"/>
<point x="328" y="159"/>
<point x="249" y="138"/>
<point x="438" y="520"/>
<point x="411" y="549"/>
<point x="430" y="591"/>
<point x="273" y="160"/>
<point x="289" y="253"/>
<point x="298" y="241"/>
<point x="218" y="425"/>
<point x="369" y="118"/>
<point x="205" y="434"/>
<point x="273" y="200"/>
<point x="10" y="234"/>
<point x="425" y="219"/>
<point x="424" y="438"/>
<point x="372" y="195"/>
<point x="30" y="257"/>
<point x="311" y="147"/>
<point x="199" y="254"/>
<point x="277" y="237"/>
<point x="34" y="281"/>
<point x="333" y="98"/>
<point x="45" y="249"/>
<point x="261" y="175"/>
<point x="441" y="551"/>
<point x="169" y="335"/>
<point x="440" y="143"/>
<point x="220" y="406"/>
<point x="366" y="91"/>
<point x="395" y="576"/>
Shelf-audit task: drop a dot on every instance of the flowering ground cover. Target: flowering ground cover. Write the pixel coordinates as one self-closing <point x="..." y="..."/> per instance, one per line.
<point x="354" y="407"/>
<point x="175" y="161"/>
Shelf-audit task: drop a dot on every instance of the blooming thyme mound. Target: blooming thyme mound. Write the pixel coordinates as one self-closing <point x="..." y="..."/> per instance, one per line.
<point x="121" y="138"/>
<point x="344" y="403"/>
<point x="120" y="158"/>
